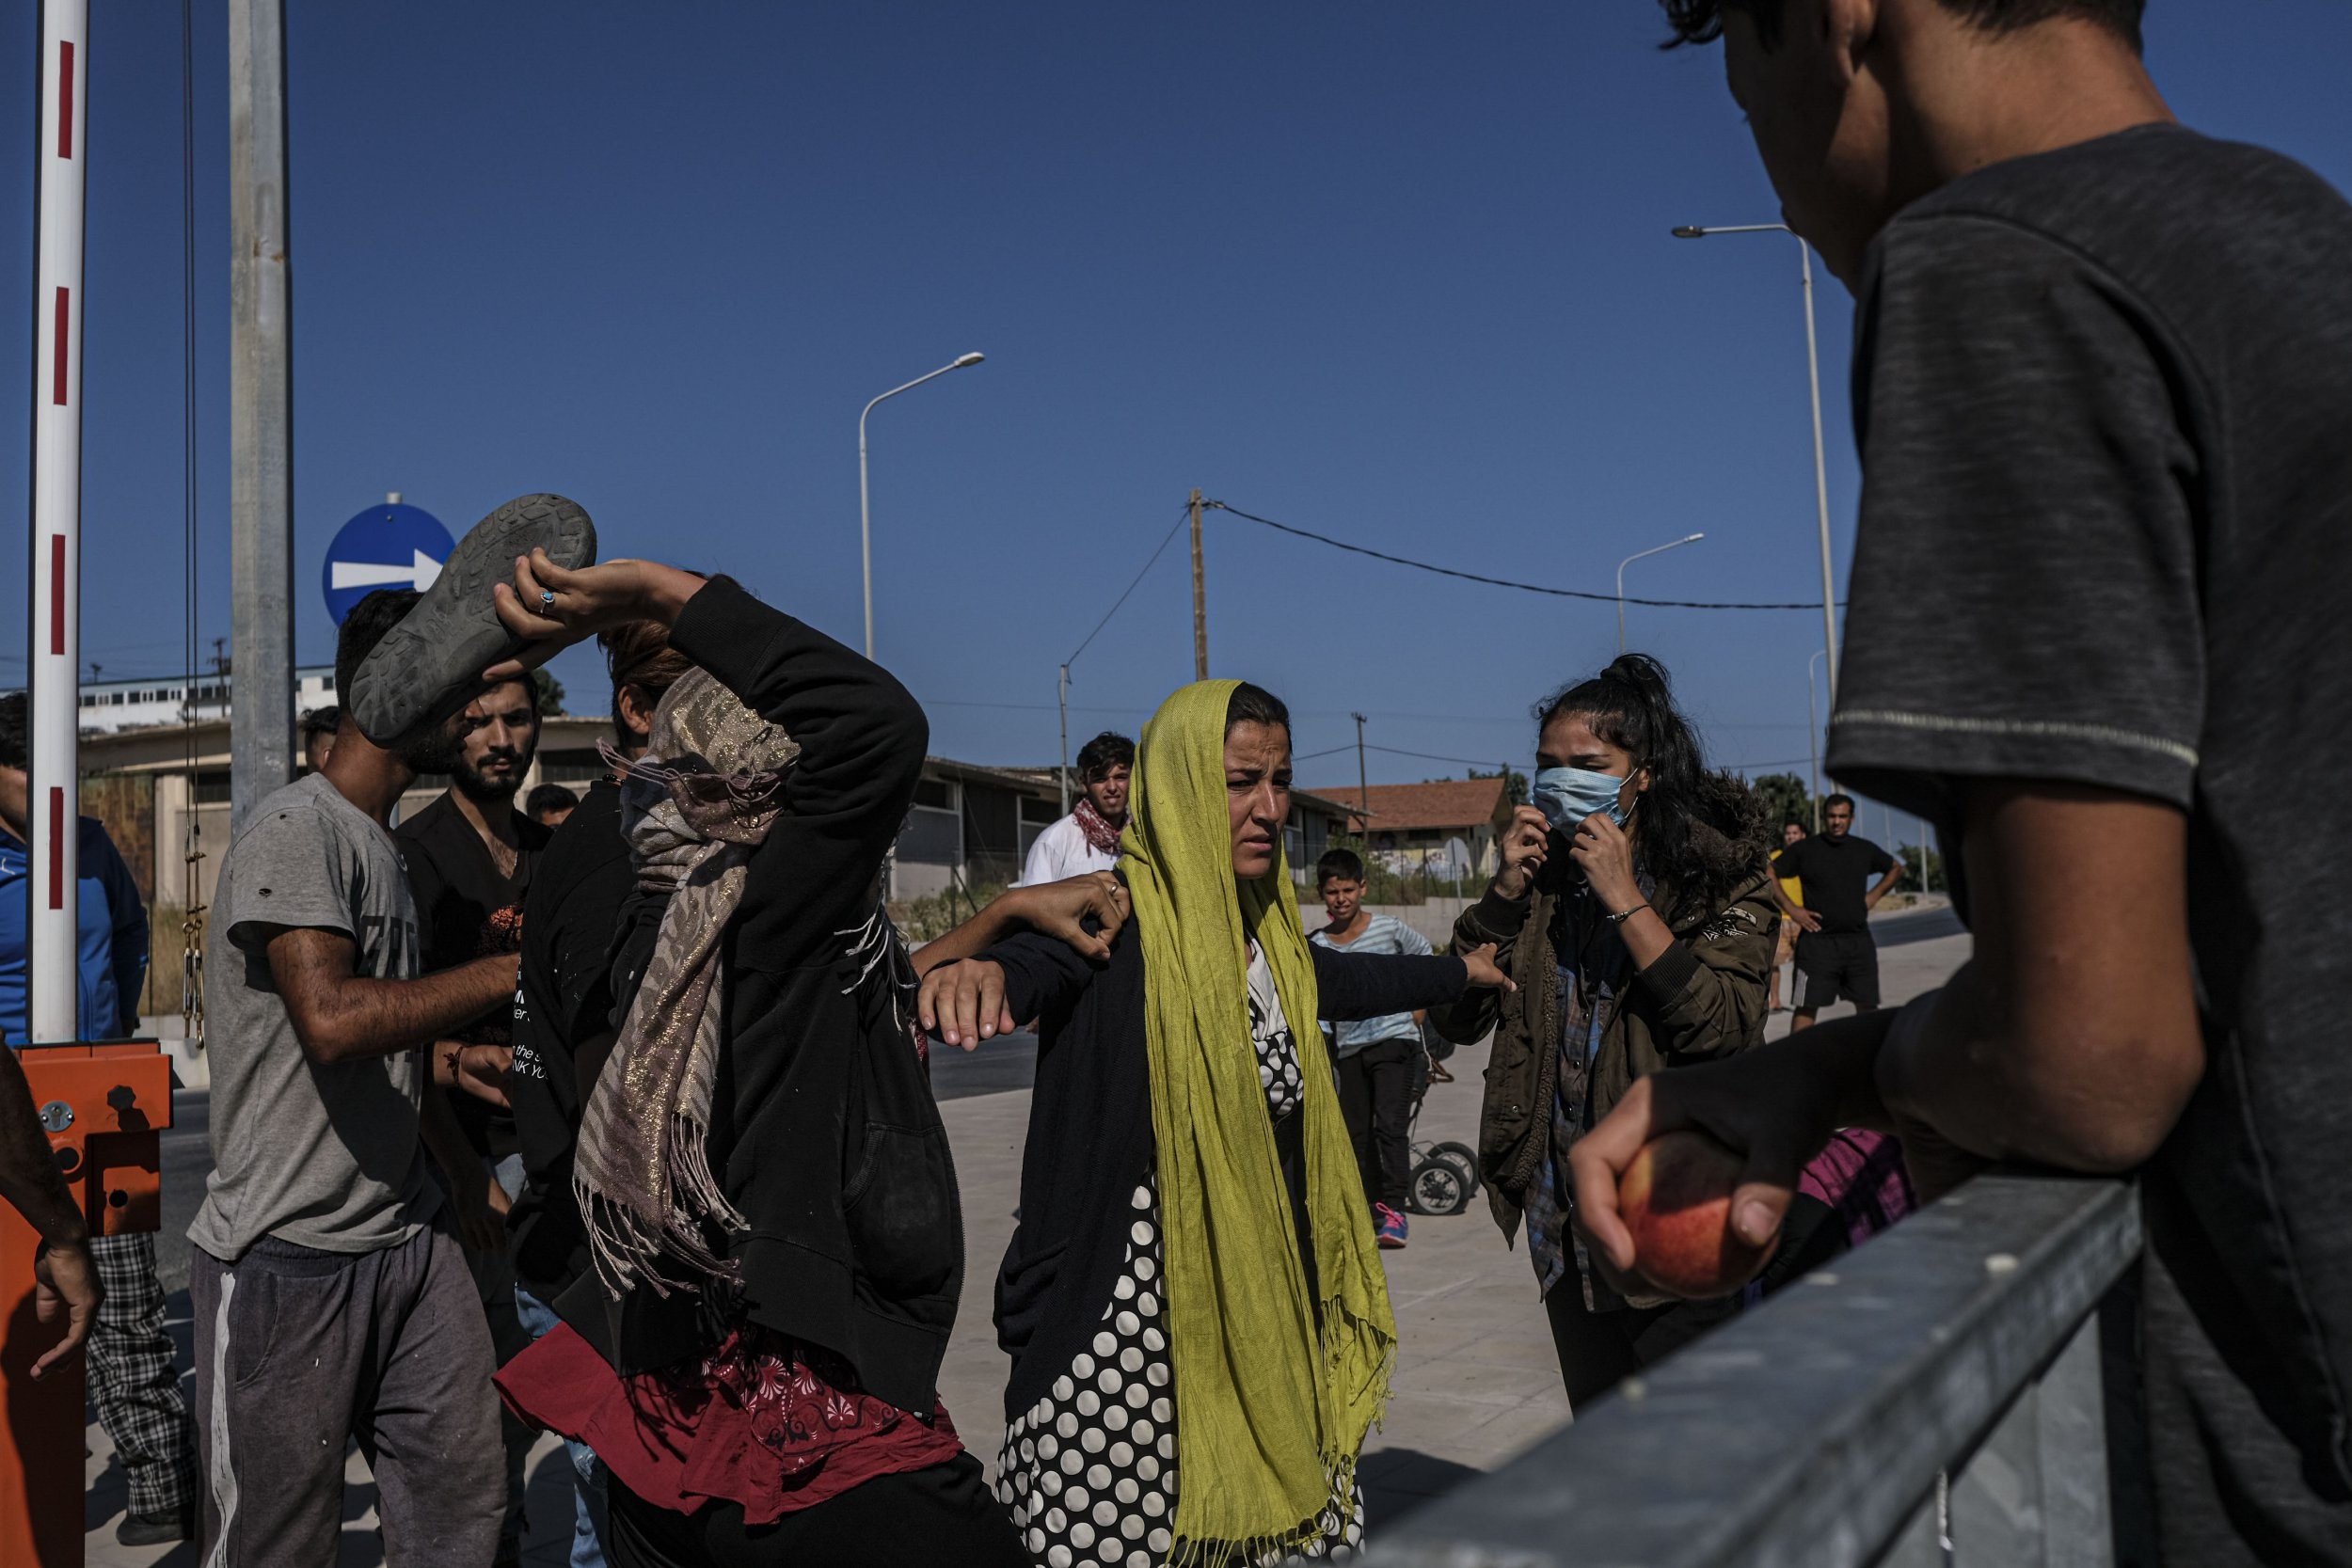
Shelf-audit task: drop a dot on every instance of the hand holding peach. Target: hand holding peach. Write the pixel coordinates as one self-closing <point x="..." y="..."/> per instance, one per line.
<point x="1674" y="1199"/>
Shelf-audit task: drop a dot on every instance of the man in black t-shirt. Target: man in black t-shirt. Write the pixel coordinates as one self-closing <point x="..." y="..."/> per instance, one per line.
<point x="1836" y="955"/>
<point x="2097" y="632"/>
<point x="470" y="856"/>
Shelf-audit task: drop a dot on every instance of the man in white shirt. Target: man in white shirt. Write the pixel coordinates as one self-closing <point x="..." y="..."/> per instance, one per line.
<point x="1087" y="839"/>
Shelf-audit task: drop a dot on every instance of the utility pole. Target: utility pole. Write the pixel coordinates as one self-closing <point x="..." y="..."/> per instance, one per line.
<point x="260" y="409"/>
<point x="1200" y="600"/>
<point x="1363" y="789"/>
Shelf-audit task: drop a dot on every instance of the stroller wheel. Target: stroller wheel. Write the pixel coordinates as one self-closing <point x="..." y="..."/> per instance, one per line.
<point x="1438" y="1187"/>
<point x="1462" y="1158"/>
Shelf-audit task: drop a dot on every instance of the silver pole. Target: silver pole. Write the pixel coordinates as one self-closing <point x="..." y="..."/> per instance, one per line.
<point x="864" y="505"/>
<point x="1821" y="480"/>
<point x="1063" y="687"/>
<point x="261" y="410"/>
<point x="1686" y="539"/>
<point x="1813" y="736"/>
<point x="54" y="584"/>
<point x="1820" y="461"/>
<point x="866" y="531"/>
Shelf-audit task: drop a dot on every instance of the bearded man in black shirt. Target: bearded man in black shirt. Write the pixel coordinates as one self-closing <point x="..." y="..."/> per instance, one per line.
<point x="470" y="856"/>
<point x="2096" y="632"/>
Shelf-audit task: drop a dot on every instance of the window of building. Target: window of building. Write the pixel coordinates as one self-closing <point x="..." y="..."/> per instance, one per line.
<point x="931" y="837"/>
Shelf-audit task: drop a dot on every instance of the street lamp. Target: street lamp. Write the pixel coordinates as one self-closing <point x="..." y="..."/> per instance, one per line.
<point x="864" y="508"/>
<point x="1660" y="550"/>
<point x="1821" y="464"/>
<point x="1813" y="733"/>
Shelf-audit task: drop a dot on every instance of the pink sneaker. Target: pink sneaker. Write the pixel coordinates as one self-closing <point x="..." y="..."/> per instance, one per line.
<point x="1388" y="1226"/>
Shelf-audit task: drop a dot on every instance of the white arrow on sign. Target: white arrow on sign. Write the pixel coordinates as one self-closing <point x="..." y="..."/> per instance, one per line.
<point x="420" y="574"/>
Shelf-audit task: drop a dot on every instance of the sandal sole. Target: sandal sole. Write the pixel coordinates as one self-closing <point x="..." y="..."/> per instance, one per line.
<point x="431" y="664"/>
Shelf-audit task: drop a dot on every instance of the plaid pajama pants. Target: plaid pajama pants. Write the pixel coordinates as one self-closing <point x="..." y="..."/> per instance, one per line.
<point x="135" y="1378"/>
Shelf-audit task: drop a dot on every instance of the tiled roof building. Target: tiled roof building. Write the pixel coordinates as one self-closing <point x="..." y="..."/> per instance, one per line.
<point x="1453" y="821"/>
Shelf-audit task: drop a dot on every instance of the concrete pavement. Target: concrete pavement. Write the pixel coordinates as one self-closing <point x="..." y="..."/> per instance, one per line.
<point x="1476" y="1381"/>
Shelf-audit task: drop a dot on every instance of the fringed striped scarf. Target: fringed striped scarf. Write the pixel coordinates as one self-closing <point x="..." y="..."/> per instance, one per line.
<point x="702" y="802"/>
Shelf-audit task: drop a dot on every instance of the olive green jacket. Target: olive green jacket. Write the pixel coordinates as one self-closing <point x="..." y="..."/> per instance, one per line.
<point x="1703" y="998"/>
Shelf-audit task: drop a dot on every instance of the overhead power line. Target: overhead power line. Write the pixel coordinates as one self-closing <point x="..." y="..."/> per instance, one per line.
<point x="1492" y="582"/>
<point x="1181" y="518"/>
<point x="1432" y="757"/>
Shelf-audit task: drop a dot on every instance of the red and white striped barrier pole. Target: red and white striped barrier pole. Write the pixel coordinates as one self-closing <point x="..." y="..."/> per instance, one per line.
<point x="55" y="656"/>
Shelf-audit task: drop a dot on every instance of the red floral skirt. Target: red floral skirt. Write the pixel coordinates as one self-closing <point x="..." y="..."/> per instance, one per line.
<point x="750" y="1422"/>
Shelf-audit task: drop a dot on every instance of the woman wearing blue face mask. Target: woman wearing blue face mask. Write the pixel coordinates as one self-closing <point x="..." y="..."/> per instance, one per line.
<point x="1633" y="908"/>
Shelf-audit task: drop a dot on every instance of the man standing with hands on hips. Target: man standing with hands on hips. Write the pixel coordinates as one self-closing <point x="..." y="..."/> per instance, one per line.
<point x="1836" y="957"/>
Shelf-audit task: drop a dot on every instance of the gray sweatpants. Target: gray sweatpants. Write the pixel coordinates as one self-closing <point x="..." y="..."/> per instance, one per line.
<point x="296" y="1351"/>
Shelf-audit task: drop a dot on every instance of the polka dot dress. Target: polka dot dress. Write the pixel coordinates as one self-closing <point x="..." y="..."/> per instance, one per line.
<point x="1089" y="1470"/>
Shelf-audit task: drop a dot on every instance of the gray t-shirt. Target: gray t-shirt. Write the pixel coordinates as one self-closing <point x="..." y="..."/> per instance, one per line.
<point x="2104" y="398"/>
<point x="323" y="1156"/>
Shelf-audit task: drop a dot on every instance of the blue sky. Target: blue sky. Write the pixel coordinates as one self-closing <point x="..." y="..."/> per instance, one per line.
<point x="1395" y="272"/>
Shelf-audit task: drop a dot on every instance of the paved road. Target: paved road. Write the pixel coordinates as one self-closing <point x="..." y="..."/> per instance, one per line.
<point x="1900" y="931"/>
<point x="1002" y="1064"/>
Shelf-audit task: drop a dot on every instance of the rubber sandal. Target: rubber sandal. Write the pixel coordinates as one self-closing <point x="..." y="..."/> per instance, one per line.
<point x="430" y="665"/>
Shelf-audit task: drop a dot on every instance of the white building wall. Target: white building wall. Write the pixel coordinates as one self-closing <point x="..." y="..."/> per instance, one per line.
<point x="111" y="705"/>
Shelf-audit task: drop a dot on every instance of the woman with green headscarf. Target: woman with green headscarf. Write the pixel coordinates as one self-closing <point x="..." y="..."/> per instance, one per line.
<point x="1193" y="1233"/>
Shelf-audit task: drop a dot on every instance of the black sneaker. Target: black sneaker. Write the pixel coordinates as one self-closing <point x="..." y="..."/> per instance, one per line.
<point x="430" y="665"/>
<point x="156" y="1529"/>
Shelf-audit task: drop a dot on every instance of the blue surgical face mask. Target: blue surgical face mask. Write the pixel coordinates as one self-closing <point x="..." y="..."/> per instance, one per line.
<point x="1568" y="796"/>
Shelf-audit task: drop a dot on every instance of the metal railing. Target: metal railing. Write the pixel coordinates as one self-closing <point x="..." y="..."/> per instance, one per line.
<point x="1933" y="1397"/>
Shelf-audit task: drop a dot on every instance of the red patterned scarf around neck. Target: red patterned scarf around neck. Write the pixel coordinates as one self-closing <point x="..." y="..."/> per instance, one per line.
<point x="1100" y="836"/>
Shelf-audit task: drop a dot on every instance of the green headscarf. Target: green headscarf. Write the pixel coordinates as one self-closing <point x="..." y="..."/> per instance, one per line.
<point x="1269" y="1420"/>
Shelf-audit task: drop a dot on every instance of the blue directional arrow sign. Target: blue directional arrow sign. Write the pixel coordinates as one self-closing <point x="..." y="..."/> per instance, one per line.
<point x="390" y="545"/>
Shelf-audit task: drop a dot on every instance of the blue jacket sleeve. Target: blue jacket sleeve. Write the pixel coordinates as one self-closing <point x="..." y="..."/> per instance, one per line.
<point x="127" y="952"/>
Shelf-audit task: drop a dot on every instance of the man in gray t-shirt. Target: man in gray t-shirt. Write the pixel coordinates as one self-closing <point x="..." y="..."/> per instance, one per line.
<point x="2101" y="383"/>
<point x="330" y="1296"/>
<point x="323" y="1155"/>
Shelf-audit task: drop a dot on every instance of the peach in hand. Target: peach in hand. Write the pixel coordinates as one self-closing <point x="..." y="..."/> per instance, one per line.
<point x="1675" y="1201"/>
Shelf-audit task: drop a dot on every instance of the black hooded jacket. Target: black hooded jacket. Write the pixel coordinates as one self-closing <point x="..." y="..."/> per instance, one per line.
<point x="823" y="1132"/>
<point x="1702" y="998"/>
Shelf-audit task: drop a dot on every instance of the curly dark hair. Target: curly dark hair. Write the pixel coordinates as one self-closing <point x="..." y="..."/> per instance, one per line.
<point x="1702" y="21"/>
<point x="1632" y="704"/>
<point x="1109" y="749"/>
